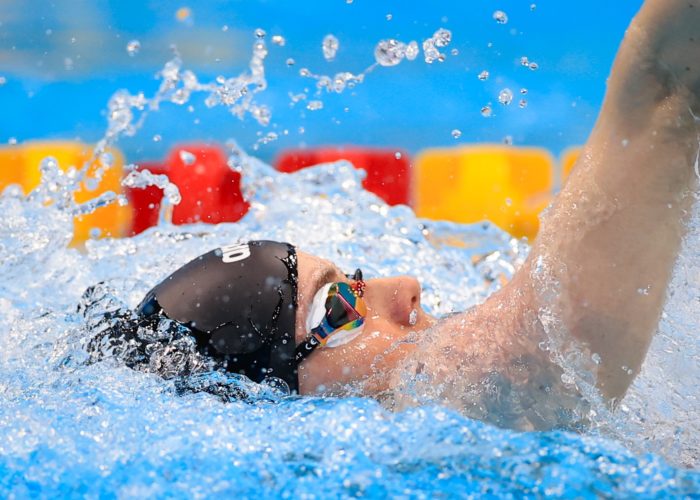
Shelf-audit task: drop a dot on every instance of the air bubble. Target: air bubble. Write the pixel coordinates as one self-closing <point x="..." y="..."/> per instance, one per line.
<point x="397" y="155"/>
<point x="534" y="66"/>
<point x="389" y="17"/>
<point x="290" y="62"/>
<point x="523" y="91"/>
<point x="483" y="76"/>
<point x="279" y="40"/>
<point x="157" y="138"/>
<point x="522" y="103"/>
<point x="500" y="17"/>
<point x="260" y="33"/>
<point x="456" y="133"/>
<point x="486" y="111"/>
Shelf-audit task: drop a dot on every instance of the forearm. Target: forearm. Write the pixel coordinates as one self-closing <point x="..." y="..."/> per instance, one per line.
<point x="607" y="246"/>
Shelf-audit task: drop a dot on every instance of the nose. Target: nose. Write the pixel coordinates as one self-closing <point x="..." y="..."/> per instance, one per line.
<point x="393" y="298"/>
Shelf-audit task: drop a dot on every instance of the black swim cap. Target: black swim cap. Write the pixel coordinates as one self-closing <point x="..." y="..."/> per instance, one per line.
<point x="240" y="302"/>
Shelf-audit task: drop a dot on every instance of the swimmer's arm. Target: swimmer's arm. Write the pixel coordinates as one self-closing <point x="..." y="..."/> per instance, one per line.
<point x="606" y="250"/>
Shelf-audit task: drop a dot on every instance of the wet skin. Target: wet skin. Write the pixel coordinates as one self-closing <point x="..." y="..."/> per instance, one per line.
<point x="379" y="347"/>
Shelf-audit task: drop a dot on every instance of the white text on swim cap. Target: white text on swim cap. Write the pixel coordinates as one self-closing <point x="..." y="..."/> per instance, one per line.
<point x="235" y="253"/>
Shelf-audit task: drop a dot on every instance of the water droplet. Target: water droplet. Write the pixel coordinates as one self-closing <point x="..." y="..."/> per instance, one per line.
<point x="389" y="52"/>
<point x="413" y="317"/>
<point x="389" y="17"/>
<point x="290" y="62"/>
<point x="397" y="155"/>
<point x="523" y="103"/>
<point x="500" y="17"/>
<point x="314" y="105"/>
<point x="483" y="76"/>
<point x="567" y="379"/>
<point x="456" y="133"/>
<point x="279" y="40"/>
<point x="486" y="111"/>
<point x="505" y="97"/>
<point x="330" y="46"/>
<point x="260" y="33"/>
<point x="534" y="66"/>
<point x="187" y="157"/>
<point x="157" y="138"/>
<point x="107" y="159"/>
<point x="412" y="50"/>
<point x="133" y="47"/>
<point x="442" y="37"/>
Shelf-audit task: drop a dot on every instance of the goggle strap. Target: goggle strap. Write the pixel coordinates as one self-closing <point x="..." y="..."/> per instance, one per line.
<point x="304" y="349"/>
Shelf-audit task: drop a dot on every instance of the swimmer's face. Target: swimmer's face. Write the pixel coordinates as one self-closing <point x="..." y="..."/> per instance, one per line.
<point x="389" y="304"/>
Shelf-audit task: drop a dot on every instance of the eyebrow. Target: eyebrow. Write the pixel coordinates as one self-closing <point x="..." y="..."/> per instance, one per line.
<point x="323" y="278"/>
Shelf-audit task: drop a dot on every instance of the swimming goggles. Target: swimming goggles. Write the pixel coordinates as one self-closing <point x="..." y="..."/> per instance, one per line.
<point x="336" y="316"/>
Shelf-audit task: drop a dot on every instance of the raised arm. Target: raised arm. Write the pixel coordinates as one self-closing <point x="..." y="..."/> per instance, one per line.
<point x="605" y="254"/>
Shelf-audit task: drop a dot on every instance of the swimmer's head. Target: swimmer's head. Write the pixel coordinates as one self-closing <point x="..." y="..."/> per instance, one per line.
<point x="272" y="312"/>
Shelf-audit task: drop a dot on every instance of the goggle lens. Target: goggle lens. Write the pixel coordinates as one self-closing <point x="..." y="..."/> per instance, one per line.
<point x="337" y="313"/>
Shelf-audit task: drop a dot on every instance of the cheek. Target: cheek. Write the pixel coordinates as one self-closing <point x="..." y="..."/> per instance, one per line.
<point x="378" y="348"/>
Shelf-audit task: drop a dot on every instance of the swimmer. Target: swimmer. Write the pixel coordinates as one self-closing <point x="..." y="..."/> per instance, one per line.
<point x="269" y="310"/>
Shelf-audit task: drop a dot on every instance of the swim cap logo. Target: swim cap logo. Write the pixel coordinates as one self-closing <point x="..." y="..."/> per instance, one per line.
<point x="235" y="253"/>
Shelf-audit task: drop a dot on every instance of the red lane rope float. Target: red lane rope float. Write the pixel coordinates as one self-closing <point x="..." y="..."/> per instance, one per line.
<point x="388" y="170"/>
